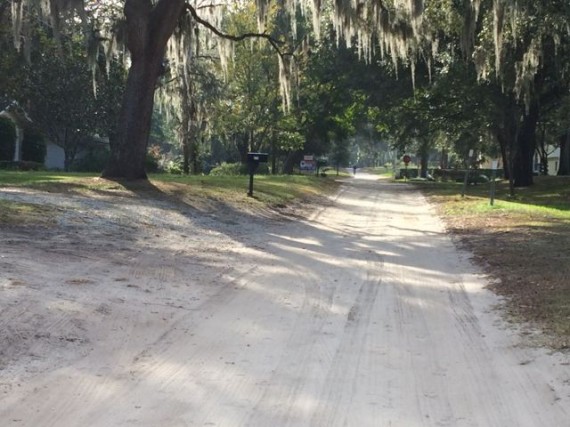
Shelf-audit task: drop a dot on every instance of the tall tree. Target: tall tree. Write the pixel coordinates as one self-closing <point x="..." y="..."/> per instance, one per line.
<point x="148" y="29"/>
<point x="148" y="25"/>
<point x="404" y="30"/>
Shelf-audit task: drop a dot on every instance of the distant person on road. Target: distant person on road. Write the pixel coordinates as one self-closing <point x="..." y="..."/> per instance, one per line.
<point x="354" y="170"/>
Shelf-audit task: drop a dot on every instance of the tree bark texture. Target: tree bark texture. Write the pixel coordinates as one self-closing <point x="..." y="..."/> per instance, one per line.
<point x="148" y="30"/>
<point x="526" y="145"/>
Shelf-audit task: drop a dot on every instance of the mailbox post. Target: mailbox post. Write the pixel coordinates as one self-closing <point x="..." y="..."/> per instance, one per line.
<point x="253" y="161"/>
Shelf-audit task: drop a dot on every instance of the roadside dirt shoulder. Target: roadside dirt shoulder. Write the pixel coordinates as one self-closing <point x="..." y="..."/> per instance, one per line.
<point x="106" y="259"/>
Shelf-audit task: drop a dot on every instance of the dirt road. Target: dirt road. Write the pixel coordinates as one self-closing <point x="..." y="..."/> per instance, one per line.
<point x="135" y="314"/>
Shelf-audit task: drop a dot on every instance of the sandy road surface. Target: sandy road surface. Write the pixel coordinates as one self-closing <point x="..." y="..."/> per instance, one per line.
<point x="365" y="315"/>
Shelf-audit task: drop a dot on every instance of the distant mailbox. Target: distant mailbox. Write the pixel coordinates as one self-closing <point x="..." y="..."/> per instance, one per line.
<point x="257" y="157"/>
<point x="253" y="161"/>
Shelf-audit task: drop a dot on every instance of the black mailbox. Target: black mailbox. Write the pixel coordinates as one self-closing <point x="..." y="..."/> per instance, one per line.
<point x="253" y="161"/>
<point x="257" y="157"/>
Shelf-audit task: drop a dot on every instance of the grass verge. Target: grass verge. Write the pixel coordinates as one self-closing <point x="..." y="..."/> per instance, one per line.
<point x="524" y="241"/>
<point x="201" y="192"/>
<point x="24" y="214"/>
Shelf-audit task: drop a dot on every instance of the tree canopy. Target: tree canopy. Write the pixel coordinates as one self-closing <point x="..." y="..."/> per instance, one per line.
<point x="509" y="58"/>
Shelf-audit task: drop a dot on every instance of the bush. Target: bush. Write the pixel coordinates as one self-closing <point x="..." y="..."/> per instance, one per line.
<point x="94" y="160"/>
<point x="262" y="169"/>
<point x="234" y="169"/>
<point x="229" y="169"/>
<point x="7" y="139"/>
<point x="151" y="163"/>
<point x="33" y="146"/>
<point x="174" y="167"/>
<point x="409" y="173"/>
<point x="21" y="166"/>
<point x="458" y="175"/>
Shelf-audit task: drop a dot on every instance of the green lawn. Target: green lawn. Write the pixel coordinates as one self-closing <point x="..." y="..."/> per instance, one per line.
<point x="549" y="196"/>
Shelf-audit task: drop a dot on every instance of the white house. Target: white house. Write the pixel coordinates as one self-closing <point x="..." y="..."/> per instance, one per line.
<point x="55" y="155"/>
<point x="553" y="161"/>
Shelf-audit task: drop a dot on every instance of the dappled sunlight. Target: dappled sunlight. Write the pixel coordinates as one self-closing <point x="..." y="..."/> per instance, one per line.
<point x="366" y="176"/>
<point x="308" y="241"/>
<point x="363" y="314"/>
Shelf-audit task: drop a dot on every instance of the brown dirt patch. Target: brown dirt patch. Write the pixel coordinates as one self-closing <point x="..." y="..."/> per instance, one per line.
<point x="530" y="258"/>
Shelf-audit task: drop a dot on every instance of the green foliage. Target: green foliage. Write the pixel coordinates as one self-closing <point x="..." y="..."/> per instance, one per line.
<point x="231" y="169"/>
<point x="21" y="166"/>
<point x="248" y="115"/>
<point x="174" y="167"/>
<point x="7" y="139"/>
<point x="93" y="161"/>
<point x="59" y="92"/>
<point x="340" y="153"/>
<point x="33" y="145"/>
<point x="151" y="163"/>
<point x="475" y="176"/>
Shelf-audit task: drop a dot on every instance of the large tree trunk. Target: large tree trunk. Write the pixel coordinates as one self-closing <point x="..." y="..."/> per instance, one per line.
<point x="526" y="145"/>
<point x="185" y="154"/>
<point x="293" y="158"/>
<point x="148" y="30"/>
<point x="504" y="156"/>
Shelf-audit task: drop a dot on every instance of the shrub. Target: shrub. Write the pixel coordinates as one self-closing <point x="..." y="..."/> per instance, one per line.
<point x="153" y="157"/>
<point x="33" y="146"/>
<point x="262" y="169"/>
<point x="475" y="175"/>
<point x="151" y="163"/>
<point x="94" y="160"/>
<point x="21" y="166"/>
<point x="7" y="139"/>
<point x="409" y="173"/>
<point x="174" y="167"/>
<point x="233" y="169"/>
<point x="226" y="169"/>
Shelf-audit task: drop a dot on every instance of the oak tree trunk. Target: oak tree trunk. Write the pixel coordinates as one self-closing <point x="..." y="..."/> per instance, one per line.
<point x="148" y="30"/>
<point x="526" y="145"/>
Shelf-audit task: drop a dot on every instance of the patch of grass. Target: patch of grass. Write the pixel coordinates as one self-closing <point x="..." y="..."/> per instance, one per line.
<point x="268" y="190"/>
<point x="12" y="213"/>
<point x="524" y="241"/>
<point x="200" y="192"/>
<point x="57" y="182"/>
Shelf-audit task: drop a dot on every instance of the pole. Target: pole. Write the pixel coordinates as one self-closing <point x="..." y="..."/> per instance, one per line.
<point x="493" y="183"/>
<point x="250" y="192"/>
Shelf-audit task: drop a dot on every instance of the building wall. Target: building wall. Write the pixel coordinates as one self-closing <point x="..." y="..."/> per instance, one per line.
<point x="55" y="156"/>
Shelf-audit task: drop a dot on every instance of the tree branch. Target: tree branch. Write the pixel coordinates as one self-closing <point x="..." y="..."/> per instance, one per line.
<point x="241" y="37"/>
<point x="163" y="20"/>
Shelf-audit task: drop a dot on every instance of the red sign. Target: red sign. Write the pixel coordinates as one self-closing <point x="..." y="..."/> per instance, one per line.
<point x="407" y="159"/>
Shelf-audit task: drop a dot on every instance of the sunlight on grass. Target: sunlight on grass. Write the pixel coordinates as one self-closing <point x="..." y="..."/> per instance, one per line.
<point x="267" y="189"/>
<point x="550" y="197"/>
<point x="200" y="192"/>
